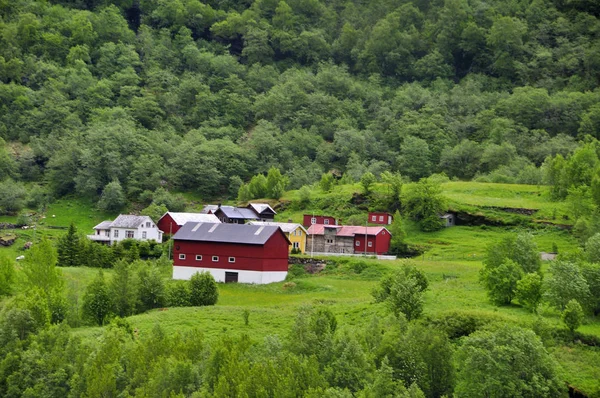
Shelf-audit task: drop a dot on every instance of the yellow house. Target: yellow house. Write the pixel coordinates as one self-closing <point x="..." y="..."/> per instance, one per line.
<point x="296" y="233"/>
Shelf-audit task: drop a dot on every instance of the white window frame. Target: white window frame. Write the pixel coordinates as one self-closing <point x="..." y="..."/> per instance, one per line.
<point x="380" y="218"/>
<point x="128" y="233"/>
<point x="357" y="243"/>
<point x="144" y="234"/>
<point x="148" y="224"/>
<point x="181" y="256"/>
<point x="198" y="257"/>
<point x="299" y="233"/>
<point x="215" y="259"/>
<point x="116" y="234"/>
<point x="370" y="244"/>
<point x="313" y="220"/>
<point x="373" y="218"/>
<point x="326" y="221"/>
<point x="231" y="259"/>
<point x="296" y="245"/>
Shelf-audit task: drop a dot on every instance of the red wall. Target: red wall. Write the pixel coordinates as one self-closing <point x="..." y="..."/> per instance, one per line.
<point x="167" y="225"/>
<point x="272" y="256"/>
<point x="320" y="220"/>
<point x="378" y="214"/>
<point x="381" y="243"/>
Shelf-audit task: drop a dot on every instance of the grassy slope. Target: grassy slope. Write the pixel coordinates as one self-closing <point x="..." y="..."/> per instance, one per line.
<point x="455" y="252"/>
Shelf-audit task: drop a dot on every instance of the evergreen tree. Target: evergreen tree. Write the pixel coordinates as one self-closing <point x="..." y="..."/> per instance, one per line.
<point x="69" y="248"/>
<point x="97" y="301"/>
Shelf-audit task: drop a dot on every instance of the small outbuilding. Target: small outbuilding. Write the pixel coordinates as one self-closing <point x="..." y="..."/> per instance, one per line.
<point x="231" y="252"/>
<point x="309" y="220"/>
<point x="449" y="220"/>
<point x="170" y="222"/>
<point x="382" y="218"/>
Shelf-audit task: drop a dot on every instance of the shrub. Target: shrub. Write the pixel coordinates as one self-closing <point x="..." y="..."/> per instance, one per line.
<point x="178" y="294"/>
<point x="572" y="316"/>
<point x="203" y="289"/>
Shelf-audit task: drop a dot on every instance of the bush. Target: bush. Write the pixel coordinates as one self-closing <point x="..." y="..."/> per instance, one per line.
<point x="295" y="271"/>
<point x="572" y="316"/>
<point x="203" y="289"/>
<point x="178" y="294"/>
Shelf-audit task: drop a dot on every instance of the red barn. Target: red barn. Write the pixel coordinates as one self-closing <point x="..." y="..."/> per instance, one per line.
<point x="381" y="218"/>
<point x="325" y="220"/>
<point x="231" y="252"/>
<point x="171" y="221"/>
<point x="348" y="239"/>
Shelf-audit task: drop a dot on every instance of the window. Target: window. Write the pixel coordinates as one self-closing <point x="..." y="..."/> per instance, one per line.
<point x="370" y="244"/>
<point x="329" y="240"/>
<point x="326" y="222"/>
<point x="198" y="257"/>
<point x="129" y="234"/>
<point x="215" y="259"/>
<point x="143" y="234"/>
<point x="296" y="245"/>
<point x="232" y="259"/>
<point x="299" y="233"/>
<point x="380" y="218"/>
<point x="374" y="218"/>
<point x="116" y="233"/>
<point x="148" y="224"/>
<point x="107" y="233"/>
<point x="182" y="256"/>
<point x="357" y="243"/>
<point x="313" y="220"/>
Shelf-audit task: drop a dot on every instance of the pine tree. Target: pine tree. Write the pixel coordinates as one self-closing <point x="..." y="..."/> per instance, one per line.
<point x="69" y="248"/>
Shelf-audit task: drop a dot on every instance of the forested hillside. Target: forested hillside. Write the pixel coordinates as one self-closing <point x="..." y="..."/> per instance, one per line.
<point x="195" y="96"/>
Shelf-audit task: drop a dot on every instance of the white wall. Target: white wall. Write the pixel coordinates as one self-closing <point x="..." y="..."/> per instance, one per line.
<point x="256" y="277"/>
<point x="151" y="234"/>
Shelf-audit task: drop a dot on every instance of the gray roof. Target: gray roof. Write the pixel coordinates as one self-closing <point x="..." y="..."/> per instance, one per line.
<point x="207" y="208"/>
<point x="226" y="233"/>
<point x="238" y="212"/>
<point x="260" y="207"/>
<point x="129" y="221"/>
<point x="182" y="218"/>
<point x="104" y="225"/>
<point x="286" y="227"/>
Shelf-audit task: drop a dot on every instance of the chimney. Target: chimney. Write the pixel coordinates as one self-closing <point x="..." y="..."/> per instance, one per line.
<point x="219" y="206"/>
<point x="290" y="220"/>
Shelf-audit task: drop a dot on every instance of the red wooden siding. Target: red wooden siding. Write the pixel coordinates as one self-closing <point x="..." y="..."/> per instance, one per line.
<point x="272" y="256"/>
<point x="380" y="243"/>
<point x="381" y="218"/>
<point x="320" y="220"/>
<point x="168" y="225"/>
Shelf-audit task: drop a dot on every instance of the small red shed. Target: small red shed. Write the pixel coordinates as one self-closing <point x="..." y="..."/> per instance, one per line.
<point x="311" y="219"/>
<point x="170" y="222"/>
<point x="382" y="218"/>
<point x="231" y="252"/>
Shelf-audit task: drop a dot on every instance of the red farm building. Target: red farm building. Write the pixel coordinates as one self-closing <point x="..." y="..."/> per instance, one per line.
<point x="311" y="219"/>
<point x="348" y="239"/>
<point x="231" y="252"/>
<point x="382" y="218"/>
<point x="171" y="221"/>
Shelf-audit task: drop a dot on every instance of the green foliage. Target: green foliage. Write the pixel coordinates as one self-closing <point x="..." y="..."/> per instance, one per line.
<point x="97" y="301"/>
<point x="7" y="276"/>
<point x="521" y="249"/>
<point x="178" y="294"/>
<point x="155" y="212"/>
<point x="424" y="203"/>
<point x="591" y="274"/>
<point x="327" y="182"/>
<point x="572" y="316"/>
<point x="592" y="249"/>
<point x="367" y="181"/>
<point x="501" y="281"/>
<point x="112" y="198"/>
<point x="13" y="196"/>
<point x="151" y="288"/>
<point x="403" y="292"/>
<point x="530" y="290"/>
<point x="123" y="289"/>
<point x="69" y="248"/>
<point x="564" y="284"/>
<point x="203" y="289"/>
<point x="397" y="244"/>
<point x="506" y="362"/>
<point x="39" y="268"/>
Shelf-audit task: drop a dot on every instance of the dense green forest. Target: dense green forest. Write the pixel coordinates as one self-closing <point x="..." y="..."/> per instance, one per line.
<point x="199" y="97"/>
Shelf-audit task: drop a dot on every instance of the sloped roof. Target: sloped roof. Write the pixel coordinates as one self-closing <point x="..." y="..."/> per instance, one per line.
<point x="286" y="227"/>
<point x="238" y="212"/>
<point x="226" y="233"/>
<point x="129" y="221"/>
<point x="260" y="207"/>
<point x="346" y="230"/>
<point x="209" y="208"/>
<point x="182" y="218"/>
<point x="104" y="225"/>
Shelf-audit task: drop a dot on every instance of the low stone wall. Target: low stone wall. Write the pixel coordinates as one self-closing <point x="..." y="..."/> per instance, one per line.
<point x="311" y="265"/>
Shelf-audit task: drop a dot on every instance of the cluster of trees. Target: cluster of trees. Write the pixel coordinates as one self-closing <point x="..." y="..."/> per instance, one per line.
<point x="113" y="100"/>
<point x="75" y="250"/>
<point x="512" y="271"/>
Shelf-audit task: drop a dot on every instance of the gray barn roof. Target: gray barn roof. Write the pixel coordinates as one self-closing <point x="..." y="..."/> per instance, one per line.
<point x="260" y="207"/>
<point x="129" y="221"/>
<point x="226" y="233"/>
<point x="238" y="212"/>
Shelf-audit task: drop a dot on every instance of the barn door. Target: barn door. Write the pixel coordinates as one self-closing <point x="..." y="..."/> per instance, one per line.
<point x="231" y="277"/>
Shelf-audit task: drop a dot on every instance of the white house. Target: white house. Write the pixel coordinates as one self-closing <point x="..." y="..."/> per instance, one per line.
<point x="127" y="227"/>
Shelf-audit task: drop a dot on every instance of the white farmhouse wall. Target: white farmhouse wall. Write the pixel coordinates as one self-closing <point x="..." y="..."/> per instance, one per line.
<point x="256" y="277"/>
<point x="151" y="234"/>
